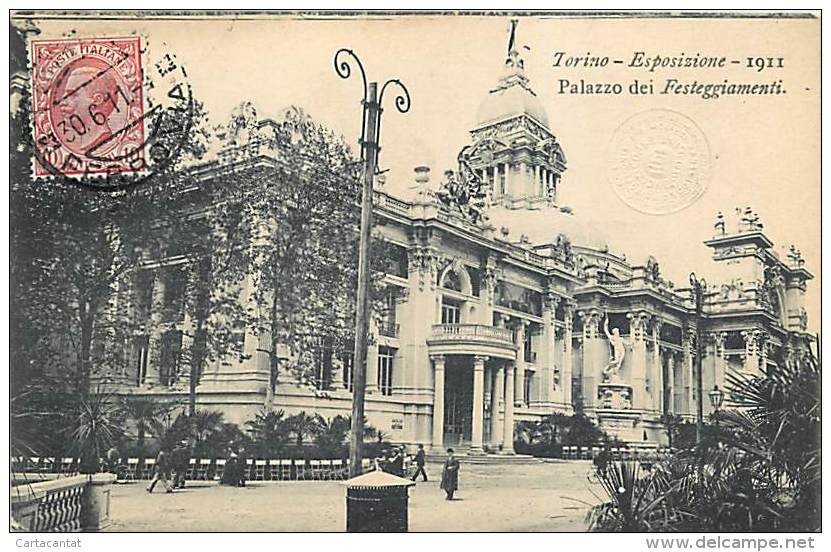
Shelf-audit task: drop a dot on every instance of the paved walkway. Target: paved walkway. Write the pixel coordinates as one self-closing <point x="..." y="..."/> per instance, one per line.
<point x="539" y="497"/>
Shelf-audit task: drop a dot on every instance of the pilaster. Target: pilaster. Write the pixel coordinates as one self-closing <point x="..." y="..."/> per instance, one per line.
<point x="655" y="380"/>
<point x="637" y="334"/>
<point x="595" y="356"/>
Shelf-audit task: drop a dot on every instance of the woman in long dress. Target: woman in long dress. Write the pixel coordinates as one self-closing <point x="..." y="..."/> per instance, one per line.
<point x="450" y="475"/>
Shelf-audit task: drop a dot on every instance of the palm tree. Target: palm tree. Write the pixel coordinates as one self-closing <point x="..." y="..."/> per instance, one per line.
<point x="98" y="425"/>
<point x="204" y="423"/>
<point x="301" y="425"/>
<point x="758" y="469"/>
<point x="332" y="433"/>
<point x="269" y="431"/>
<point x="146" y="412"/>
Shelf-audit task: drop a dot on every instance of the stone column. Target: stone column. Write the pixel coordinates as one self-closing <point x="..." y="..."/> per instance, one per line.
<point x="154" y="345"/>
<point x="637" y="366"/>
<point x="553" y="187"/>
<point x="478" y="418"/>
<point x="508" y="190"/>
<point x="566" y="369"/>
<point x="184" y="369"/>
<point x="537" y="179"/>
<point x="519" y="384"/>
<point x="438" y="401"/>
<point x="497" y="394"/>
<point x="670" y="382"/>
<point x="508" y="428"/>
<point x="656" y="376"/>
<point x="548" y="359"/>
<point x="523" y="179"/>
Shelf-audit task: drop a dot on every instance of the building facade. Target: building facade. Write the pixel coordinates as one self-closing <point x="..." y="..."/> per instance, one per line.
<point x="490" y="327"/>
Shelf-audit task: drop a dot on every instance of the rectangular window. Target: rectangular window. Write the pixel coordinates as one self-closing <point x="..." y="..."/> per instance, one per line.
<point x="451" y="312"/>
<point x="387" y="323"/>
<point x="323" y="366"/>
<point x="346" y="360"/>
<point x="143" y="295"/>
<point x="171" y="349"/>
<point x="530" y="354"/>
<point x="140" y="351"/>
<point x="173" y="298"/>
<point x="526" y="389"/>
<point x="386" y="356"/>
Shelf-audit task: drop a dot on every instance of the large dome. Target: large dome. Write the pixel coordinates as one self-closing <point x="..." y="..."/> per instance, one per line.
<point x="504" y="103"/>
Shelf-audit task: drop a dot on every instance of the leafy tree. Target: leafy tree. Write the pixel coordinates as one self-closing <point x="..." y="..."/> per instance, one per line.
<point x="290" y="222"/>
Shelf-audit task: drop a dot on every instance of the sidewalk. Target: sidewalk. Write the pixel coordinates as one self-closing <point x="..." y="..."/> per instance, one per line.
<point x="491" y="498"/>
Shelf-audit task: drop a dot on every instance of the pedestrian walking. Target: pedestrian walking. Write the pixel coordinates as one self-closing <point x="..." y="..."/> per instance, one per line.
<point x="419" y="460"/>
<point x="450" y="475"/>
<point x="162" y="473"/>
<point x="180" y="461"/>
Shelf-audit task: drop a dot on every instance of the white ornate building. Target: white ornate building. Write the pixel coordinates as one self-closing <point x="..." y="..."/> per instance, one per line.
<point x="491" y="327"/>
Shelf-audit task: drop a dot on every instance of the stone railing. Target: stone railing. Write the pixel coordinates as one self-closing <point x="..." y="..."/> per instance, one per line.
<point x="380" y="199"/>
<point x="473" y="330"/>
<point x="76" y="503"/>
<point x="389" y="329"/>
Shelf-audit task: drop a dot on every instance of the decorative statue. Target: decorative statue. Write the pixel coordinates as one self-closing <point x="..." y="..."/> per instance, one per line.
<point x="243" y="122"/>
<point x="464" y="192"/>
<point x="719" y="226"/>
<point x="617" y="349"/>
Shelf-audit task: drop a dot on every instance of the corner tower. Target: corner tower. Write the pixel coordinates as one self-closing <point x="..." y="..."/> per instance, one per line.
<point x="512" y="148"/>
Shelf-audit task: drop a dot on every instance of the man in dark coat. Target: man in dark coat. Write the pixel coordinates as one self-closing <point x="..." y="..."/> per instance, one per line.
<point x="181" y="460"/>
<point x="419" y="459"/>
<point x="450" y="475"/>
<point x="396" y="463"/>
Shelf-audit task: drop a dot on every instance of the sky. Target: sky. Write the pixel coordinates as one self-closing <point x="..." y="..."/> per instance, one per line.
<point x="765" y="149"/>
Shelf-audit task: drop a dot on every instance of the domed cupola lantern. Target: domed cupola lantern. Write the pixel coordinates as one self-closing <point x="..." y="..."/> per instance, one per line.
<point x="513" y="150"/>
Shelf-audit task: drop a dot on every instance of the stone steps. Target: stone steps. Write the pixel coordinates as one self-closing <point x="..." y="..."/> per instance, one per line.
<point x="495" y="459"/>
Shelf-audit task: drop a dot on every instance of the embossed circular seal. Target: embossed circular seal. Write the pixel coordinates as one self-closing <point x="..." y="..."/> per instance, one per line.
<point x="660" y="162"/>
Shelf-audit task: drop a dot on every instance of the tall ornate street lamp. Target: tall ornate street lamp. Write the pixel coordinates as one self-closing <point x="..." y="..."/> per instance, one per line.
<point x="699" y="287"/>
<point x="370" y="148"/>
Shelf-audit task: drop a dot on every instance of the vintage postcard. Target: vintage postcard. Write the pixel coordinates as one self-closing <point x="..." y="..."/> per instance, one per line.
<point x="415" y="271"/>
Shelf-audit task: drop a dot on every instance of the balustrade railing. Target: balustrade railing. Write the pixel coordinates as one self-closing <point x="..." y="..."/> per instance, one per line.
<point x="388" y="329"/>
<point x="50" y="506"/>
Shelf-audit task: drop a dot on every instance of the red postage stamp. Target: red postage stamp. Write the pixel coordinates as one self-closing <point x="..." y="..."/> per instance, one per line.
<point x="88" y="106"/>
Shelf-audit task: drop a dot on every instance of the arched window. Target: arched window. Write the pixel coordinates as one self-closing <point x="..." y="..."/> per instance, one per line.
<point x="452" y="281"/>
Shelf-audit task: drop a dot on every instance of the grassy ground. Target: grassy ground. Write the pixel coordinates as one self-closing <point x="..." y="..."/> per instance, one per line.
<point x="539" y="497"/>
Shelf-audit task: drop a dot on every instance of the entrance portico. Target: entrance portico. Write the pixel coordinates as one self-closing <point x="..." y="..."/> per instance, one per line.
<point x="486" y="353"/>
